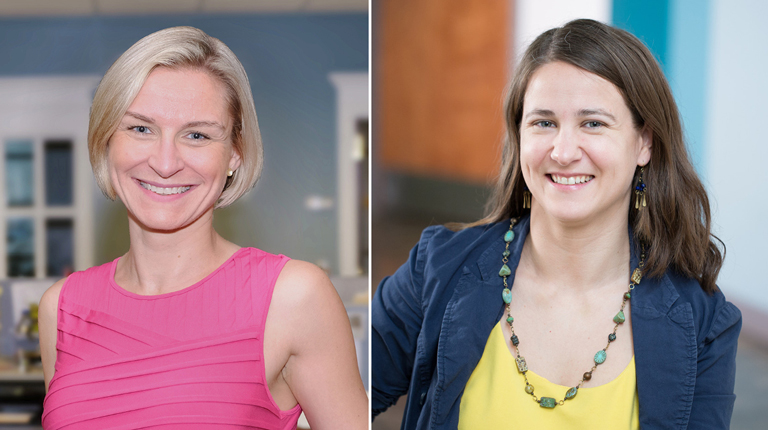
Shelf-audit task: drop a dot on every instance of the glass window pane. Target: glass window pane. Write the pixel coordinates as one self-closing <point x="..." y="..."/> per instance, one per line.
<point x="21" y="247"/>
<point x="59" y="239"/>
<point x="19" y="183"/>
<point x="58" y="173"/>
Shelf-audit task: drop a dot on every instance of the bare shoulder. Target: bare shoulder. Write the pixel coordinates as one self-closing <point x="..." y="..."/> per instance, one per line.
<point x="49" y="303"/>
<point x="304" y="280"/>
<point x="48" y="323"/>
<point x="322" y="371"/>
<point x="304" y="289"/>
<point x="298" y="272"/>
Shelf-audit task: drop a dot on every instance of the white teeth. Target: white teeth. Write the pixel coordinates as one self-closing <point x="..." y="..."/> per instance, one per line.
<point x="164" y="191"/>
<point x="573" y="180"/>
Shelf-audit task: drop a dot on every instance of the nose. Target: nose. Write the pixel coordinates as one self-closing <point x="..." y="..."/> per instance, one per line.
<point x="165" y="159"/>
<point x="565" y="148"/>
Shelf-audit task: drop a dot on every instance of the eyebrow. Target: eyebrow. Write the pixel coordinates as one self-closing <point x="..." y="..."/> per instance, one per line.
<point x="539" y="112"/>
<point x="588" y="112"/>
<point x="140" y="117"/>
<point x="582" y="112"/>
<point x="187" y="125"/>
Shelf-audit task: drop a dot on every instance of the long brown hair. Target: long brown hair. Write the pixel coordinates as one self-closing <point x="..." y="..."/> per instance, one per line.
<point x="675" y="225"/>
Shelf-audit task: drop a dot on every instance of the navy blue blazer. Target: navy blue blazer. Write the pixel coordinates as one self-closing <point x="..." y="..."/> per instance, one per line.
<point x="432" y="318"/>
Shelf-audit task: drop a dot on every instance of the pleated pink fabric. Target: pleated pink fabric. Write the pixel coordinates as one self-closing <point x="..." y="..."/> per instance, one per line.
<point x="191" y="359"/>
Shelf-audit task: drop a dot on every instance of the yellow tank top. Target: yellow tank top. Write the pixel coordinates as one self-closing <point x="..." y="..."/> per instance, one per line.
<point x="495" y="397"/>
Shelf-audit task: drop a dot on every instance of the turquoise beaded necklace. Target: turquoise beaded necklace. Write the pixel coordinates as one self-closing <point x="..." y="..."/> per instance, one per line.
<point x="600" y="356"/>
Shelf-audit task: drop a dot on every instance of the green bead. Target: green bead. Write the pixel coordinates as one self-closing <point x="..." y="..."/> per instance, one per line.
<point x="510" y="319"/>
<point x="611" y="337"/>
<point x="619" y="318"/>
<point x="571" y="393"/>
<point x="547" y="402"/>
<point x="505" y="271"/>
<point x="529" y="388"/>
<point x="506" y="253"/>
<point x="627" y="295"/>
<point x="506" y="295"/>
<point x="600" y="357"/>
<point x="509" y="236"/>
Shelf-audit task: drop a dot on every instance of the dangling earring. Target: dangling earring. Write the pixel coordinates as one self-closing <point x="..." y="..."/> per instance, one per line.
<point x="230" y="172"/>
<point x="526" y="197"/>
<point x="640" y="191"/>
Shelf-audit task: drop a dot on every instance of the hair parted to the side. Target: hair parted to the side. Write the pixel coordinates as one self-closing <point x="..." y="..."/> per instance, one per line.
<point x="675" y="225"/>
<point x="177" y="47"/>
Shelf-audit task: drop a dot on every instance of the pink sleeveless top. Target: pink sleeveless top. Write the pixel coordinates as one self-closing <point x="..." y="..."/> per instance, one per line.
<point x="191" y="359"/>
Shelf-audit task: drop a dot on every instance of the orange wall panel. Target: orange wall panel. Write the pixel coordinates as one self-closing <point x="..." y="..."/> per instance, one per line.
<point x="442" y="67"/>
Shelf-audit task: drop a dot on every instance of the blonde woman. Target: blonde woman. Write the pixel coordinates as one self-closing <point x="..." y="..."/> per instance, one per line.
<point x="187" y="330"/>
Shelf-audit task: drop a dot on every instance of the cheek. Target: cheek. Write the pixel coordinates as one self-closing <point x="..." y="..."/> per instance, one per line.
<point x="124" y="151"/>
<point x="532" y="153"/>
<point x="209" y="164"/>
<point x="118" y="158"/>
<point x="527" y="155"/>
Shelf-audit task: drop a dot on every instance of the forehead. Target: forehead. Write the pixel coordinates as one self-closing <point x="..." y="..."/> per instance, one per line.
<point x="564" y="88"/>
<point x="182" y="95"/>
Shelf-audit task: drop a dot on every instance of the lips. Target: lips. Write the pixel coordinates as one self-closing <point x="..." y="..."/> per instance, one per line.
<point x="164" y="191"/>
<point x="571" y="180"/>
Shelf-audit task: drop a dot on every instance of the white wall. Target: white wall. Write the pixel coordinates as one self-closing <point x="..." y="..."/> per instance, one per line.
<point x="533" y="17"/>
<point x="737" y="145"/>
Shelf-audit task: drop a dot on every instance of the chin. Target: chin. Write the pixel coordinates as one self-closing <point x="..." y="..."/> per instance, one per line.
<point x="156" y="222"/>
<point x="161" y="226"/>
<point x="566" y="213"/>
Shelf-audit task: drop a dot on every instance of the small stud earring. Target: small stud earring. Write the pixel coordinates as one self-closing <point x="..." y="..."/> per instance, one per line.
<point x="230" y="172"/>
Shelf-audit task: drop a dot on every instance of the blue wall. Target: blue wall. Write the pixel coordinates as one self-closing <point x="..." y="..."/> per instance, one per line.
<point x="288" y="59"/>
<point x="677" y="32"/>
<point x="688" y="71"/>
<point x="647" y="20"/>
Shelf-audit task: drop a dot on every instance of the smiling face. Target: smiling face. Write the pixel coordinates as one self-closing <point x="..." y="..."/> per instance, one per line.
<point x="169" y="157"/>
<point x="579" y="146"/>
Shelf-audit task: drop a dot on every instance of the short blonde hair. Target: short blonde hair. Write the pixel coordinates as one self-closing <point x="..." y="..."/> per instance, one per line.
<point x="177" y="47"/>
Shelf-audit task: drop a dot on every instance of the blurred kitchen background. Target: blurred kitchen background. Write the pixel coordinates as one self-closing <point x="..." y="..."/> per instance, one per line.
<point x="440" y="68"/>
<point x="307" y="61"/>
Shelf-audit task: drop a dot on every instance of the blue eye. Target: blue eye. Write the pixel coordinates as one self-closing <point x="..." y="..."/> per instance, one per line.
<point x="197" y="136"/>
<point x="140" y="129"/>
<point x="594" y="124"/>
<point x="545" y="124"/>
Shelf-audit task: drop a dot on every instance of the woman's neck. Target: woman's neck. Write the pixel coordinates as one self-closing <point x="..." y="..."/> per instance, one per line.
<point x="160" y="262"/>
<point x="577" y="257"/>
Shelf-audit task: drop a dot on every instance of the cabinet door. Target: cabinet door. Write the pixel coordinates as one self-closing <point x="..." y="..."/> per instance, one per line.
<point x="46" y="185"/>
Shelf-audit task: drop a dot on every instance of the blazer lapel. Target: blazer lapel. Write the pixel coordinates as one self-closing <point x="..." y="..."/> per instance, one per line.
<point x="473" y="310"/>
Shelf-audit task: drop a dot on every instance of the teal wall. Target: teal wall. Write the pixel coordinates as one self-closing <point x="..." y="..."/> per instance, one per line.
<point x="648" y="20"/>
<point x="688" y="72"/>
<point x="677" y="32"/>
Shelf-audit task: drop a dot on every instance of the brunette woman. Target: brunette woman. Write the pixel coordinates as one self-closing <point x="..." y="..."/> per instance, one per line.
<point x="586" y="298"/>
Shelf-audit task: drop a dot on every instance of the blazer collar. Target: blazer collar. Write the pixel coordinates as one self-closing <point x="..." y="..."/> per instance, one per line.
<point x="490" y="263"/>
<point x="653" y="297"/>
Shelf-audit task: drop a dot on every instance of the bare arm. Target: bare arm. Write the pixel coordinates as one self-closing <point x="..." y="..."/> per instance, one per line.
<point x="321" y="370"/>
<point x="47" y="320"/>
